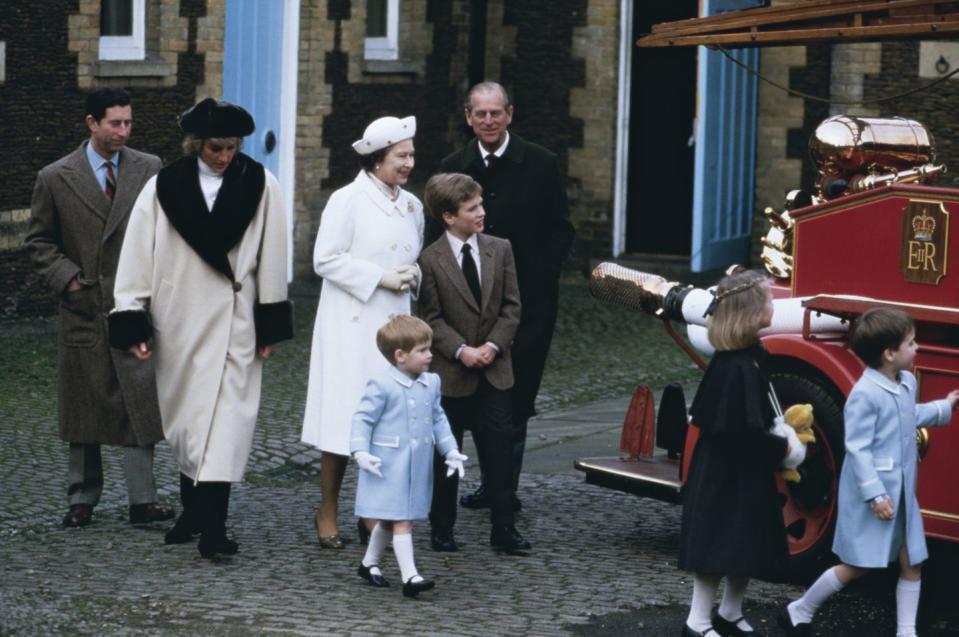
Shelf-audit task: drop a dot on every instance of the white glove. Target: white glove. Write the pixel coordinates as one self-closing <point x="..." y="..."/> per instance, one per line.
<point x="412" y="270"/>
<point x="797" y="449"/>
<point x="454" y="463"/>
<point x="396" y="280"/>
<point x="368" y="462"/>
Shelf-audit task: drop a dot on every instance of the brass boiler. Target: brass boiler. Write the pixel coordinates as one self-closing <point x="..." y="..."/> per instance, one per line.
<point x="845" y="145"/>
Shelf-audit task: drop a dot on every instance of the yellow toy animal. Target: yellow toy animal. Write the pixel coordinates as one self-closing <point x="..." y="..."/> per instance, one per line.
<point x="800" y="418"/>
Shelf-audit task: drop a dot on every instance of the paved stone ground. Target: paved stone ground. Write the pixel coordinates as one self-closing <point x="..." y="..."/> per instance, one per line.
<point x="603" y="562"/>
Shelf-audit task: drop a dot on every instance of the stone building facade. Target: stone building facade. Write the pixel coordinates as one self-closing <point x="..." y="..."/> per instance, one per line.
<point x="559" y="59"/>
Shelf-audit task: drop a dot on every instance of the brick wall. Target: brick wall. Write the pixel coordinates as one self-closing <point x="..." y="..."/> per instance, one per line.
<point x="935" y="108"/>
<point x="340" y="92"/>
<point x="592" y="166"/>
<point x="51" y="61"/>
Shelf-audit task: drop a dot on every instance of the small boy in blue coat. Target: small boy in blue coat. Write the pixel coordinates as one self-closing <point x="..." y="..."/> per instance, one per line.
<point x="879" y="519"/>
<point x="395" y="428"/>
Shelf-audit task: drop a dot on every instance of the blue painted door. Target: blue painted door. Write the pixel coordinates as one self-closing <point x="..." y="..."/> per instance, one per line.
<point x="725" y="154"/>
<point x="252" y="64"/>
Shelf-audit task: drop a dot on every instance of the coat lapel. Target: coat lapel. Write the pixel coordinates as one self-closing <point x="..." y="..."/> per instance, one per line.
<point x="132" y="170"/>
<point x="79" y="177"/>
<point x="487" y="265"/>
<point x="455" y="273"/>
<point x="381" y="201"/>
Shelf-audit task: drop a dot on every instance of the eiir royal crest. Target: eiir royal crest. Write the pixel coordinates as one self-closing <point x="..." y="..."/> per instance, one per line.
<point x="925" y="226"/>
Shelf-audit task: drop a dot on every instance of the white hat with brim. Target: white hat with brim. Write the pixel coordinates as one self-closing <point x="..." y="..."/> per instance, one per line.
<point x="385" y="132"/>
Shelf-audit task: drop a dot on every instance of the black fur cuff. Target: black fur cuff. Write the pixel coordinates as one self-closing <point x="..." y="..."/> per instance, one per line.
<point x="273" y="321"/>
<point x="129" y="328"/>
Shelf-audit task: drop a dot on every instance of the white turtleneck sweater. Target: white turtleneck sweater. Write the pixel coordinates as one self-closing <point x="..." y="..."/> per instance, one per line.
<point x="210" y="182"/>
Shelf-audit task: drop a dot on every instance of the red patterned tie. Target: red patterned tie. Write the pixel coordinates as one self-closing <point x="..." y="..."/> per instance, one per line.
<point x="110" y="188"/>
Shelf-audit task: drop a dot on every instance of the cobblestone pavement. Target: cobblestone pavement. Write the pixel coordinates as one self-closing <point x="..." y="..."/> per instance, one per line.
<point x="599" y="557"/>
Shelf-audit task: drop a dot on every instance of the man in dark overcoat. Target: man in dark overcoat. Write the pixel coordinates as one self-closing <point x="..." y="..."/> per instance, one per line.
<point x="525" y="200"/>
<point x="79" y="212"/>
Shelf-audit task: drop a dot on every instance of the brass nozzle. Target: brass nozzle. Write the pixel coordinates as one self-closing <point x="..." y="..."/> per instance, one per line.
<point x="634" y="289"/>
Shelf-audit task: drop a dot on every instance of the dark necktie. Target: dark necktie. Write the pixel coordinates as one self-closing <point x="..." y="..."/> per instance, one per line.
<point x="110" y="187"/>
<point x="472" y="276"/>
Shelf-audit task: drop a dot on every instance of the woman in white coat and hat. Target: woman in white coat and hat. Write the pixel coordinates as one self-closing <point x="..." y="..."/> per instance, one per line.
<point x="370" y="236"/>
<point x="201" y="286"/>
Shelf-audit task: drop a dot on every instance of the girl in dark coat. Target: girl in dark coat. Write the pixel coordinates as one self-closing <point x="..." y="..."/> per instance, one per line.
<point x="732" y="518"/>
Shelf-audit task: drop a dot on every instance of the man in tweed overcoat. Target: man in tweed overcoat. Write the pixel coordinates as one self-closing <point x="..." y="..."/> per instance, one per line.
<point x="79" y="212"/>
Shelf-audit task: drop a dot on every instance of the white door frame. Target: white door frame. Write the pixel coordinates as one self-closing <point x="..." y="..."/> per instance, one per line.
<point x="287" y="145"/>
<point x="621" y="182"/>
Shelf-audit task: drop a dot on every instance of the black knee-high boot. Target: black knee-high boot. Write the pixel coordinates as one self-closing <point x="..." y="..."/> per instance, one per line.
<point x="187" y="525"/>
<point x="213" y="503"/>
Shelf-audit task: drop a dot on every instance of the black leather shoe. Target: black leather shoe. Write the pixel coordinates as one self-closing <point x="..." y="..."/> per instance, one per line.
<point x="507" y="538"/>
<point x="78" y="515"/>
<point x="210" y="548"/>
<point x="479" y="499"/>
<point x="444" y="542"/>
<point x="728" y="628"/>
<point x="689" y="632"/>
<point x="150" y="512"/>
<point x="185" y="529"/>
<point x="373" y="579"/>
<point x="786" y="623"/>
<point x="412" y="589"/>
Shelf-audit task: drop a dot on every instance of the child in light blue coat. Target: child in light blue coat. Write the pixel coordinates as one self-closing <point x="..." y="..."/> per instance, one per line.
<point x="398" y="423"/>
<point x="879" y="519"/>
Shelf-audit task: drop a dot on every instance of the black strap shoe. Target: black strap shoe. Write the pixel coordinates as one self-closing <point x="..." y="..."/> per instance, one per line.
<point x="507" y="538"/>
<point x="412" y="589"/>
<point x="791" y="629"/>
<point x="374" y="579"/>
<point x="689" y="632"/>
<point x="728" y="628"/>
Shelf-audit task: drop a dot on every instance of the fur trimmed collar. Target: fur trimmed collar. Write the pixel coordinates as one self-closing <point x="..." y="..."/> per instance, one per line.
<point x="212" y="234"/>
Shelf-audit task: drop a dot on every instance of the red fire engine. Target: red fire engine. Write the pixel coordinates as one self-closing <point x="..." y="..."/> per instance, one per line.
<point x="871" y="235"/>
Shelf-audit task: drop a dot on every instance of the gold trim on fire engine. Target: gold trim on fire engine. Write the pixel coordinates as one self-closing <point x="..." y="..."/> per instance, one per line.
<point x="924" y="241"/>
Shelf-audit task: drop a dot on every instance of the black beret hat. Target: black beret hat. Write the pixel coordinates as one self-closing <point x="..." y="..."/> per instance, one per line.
<point x="216" y="118"/>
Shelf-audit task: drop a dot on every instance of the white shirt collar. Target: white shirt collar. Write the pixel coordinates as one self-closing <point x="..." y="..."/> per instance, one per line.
<point x="498" y="152"/>
<point x="404" y="380"/>
<point x="96" y="161"/>
<point x="457" y="246"/>
<point x="883" y="381"/>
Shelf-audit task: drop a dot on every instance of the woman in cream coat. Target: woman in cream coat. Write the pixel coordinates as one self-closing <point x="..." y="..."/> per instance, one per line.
<point x="370" y="236"/>
<point x="201" y="284"/>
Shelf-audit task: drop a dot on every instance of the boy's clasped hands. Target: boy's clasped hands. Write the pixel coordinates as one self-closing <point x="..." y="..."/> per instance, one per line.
<point x="477" y="357"/>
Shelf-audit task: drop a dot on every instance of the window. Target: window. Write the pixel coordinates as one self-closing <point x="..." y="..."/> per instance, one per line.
<point x="122" y="28"/>
<point x="382" y="30"/>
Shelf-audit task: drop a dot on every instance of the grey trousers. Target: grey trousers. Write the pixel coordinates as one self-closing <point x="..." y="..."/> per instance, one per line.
<point x="85" y="474"/>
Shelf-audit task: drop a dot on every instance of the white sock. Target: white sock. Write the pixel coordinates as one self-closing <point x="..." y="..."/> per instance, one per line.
<point x="802" y="610"/>
<point x="403" y="547"/>
<point x="907" y="603"/>
<point x="731" y="608"/>
<point x="377" y="544"/>
<point x="701" y="605"/>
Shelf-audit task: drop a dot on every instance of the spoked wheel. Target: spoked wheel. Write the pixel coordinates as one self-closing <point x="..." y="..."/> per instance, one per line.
<point x="809" y="507"/>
